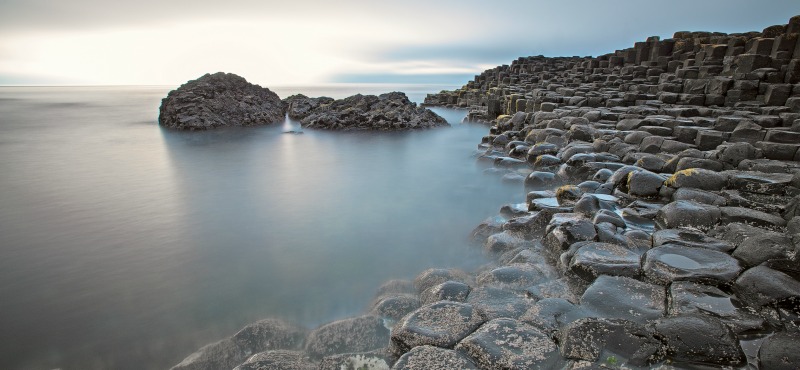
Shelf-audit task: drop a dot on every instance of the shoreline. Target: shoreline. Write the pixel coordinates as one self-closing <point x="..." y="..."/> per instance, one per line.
<point x="663" y="202"/>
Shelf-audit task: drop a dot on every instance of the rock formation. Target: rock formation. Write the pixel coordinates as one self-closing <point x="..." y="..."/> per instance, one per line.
<point x="219" y="100"/>
<point x="661" y="226"/>
<point x="386" y="112"/>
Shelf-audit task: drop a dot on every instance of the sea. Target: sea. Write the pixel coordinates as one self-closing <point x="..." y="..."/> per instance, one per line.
<point x="127" y="246"/>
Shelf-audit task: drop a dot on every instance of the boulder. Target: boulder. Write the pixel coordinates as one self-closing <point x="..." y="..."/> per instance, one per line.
<point x="690" y="238"/>
<point x="496" y="302"/>
<point x="594" y="259"/>
<point x="700" y="339"/>
<point x="697" y="178"/>
<point x="269" y="334"/>
<point x="375" y="360"/>
<point x="687" y="297"/>
<point x="779" y="351"/>
<point x="386" y="112"/>
<point x="594" y="339"/>
<point x="687" y="213"/>
<point x="224" y="354"/>
<point x="435" y="276"/>
<point x="757" y="249"/>
<point x="510" y="345"/>
<point x="219" y="100"/>
<point x="550" y="314"/>
<point x="761" y="285"/>
<point x="441" y="324"/>
<point x="300" y="106"/>
<point x="278" y="360"/>
<point x="669" y="263"/>
<point x="624" y="298"/>
<point x="394" y="307"/>
<point x="359" y="334"/>
<point x="433" y="358"/>
<point x="448" y="291"/>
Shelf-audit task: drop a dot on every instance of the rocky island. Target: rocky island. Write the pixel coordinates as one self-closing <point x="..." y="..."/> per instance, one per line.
<point x="661" y="227"/>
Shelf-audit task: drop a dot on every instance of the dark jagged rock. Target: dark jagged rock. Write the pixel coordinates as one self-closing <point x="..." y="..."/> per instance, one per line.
<point x="386" y="112"/>
<point x="357" y="334"/>
<point x="510" y="345"/>
<point x="300" y="106"/>
<point x="219" y="100"/>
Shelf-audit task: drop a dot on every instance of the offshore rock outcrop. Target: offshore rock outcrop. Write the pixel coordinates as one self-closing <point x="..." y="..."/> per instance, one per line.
<point x="661" y="226"/>
<point x="219" y="100"/>
<point x="385" y="112"/>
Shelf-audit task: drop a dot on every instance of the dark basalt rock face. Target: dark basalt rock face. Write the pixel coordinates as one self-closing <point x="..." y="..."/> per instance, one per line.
<point x="219" y="100"/>
<point x="358" y="334"/>
<point x="386" y="112"/>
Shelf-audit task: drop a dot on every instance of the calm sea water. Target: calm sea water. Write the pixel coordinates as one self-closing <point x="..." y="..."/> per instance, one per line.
<point x="125" y="246"/>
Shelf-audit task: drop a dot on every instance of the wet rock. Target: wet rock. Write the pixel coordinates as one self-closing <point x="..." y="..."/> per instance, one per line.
<point x="391" y="111"/>
<point x="690" y="238"/>
<point x="624" y="298"/>
<point x="689" y="213"/>
<point x="700" y="196"/>
<point x="396" y="286"/>
<point x="496" y="302"/>
<point x="698" y="178"/>
<point x="758" y="182"/>
<point x="644" y="183"/>
<point x="435" y="276"/>
<point x="278" y="360"/>
<point x="669" y="263"/>
<point x="375" y="360"/>
<point x="779" y="351"/>
<point x="761" y="285"/>
<point x="594" y="259"/>
<point x="224" y="354"/>
<point x="591" y="204"/>
<point x="513" y="276"/>
<point x="687" y="297"/>
<point x="550" y="314"/>
<point x="557" y="288"/>
<point x="433" y="358"/>
<point x="269" y="334"/>
<point x="608" y="216"/>
<point x="699" y="339"/>
<point x="395" y="307"/>
<point x="359" y="334"/>
<point x="592" y="339"/>
<point x="448" y="291"/>
<point x="566" y="229"/>
<point x="510" y="344"/>
<point x="751" y="217"/>
<point x="567" y="195"/>
<point x="485" y="229"/>
<point x="760" y="248"/>
<point x="506" y="241"/>
<point x="441" y="324"/>
<point x="538" y="180"/>
<point x="219" y="100"/>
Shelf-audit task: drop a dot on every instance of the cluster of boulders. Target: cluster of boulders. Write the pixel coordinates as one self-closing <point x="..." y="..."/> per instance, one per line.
<point x="225" y="99"/>
<point x="386" y="112"/>
<point x="661" y="226"/>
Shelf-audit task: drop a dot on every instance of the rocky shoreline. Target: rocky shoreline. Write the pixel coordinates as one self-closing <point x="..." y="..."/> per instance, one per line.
<point x="661" y="227"/>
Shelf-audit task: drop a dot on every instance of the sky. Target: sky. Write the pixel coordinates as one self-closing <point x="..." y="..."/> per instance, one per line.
<point x="305" y="42"/>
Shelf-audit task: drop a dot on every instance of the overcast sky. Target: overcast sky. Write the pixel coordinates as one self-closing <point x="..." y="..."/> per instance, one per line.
<point x="167" y="42"/>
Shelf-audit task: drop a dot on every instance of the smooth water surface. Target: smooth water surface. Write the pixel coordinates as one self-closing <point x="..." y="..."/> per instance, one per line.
<point x="125" y="246"/>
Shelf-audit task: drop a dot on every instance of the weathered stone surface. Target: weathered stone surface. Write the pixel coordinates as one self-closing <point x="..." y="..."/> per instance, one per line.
<point x="699" y="339"/>
<point x="644" y="183"/>
<point x="433" y="358"/>
<point x="687" y="213"/>
<point x="762" y="285"/>
<point x="594" y="259"/>
<point x="391" y="111"/>
<point x="219" y="100"/>
<point x="278" y="360"/>
<point x="690" y="238"/>
<point x="566" y="229"/>
<point x="448" y="291"/>
<point x="698" y="178"/>
<point x="375" y="360"/>
<point x="511" y="345"/>
<point x="224" y="354"/>
<point x="300" y="106"/>
<point x="624" y="298"/>
<point x="669" y="263"/>
<point x="550" y="314"/>
<point x="779" y="351"/>
<point x="750" y="217"/>
<point x="593" y="339"/>
<point x="757" y="249"/>
<point x="687" y="297"/>
<point x="436" y="276"/>
<point x="441" y="324"/>
<point x="269" y="334"/>
<point x="496" y="302"/>
<point x="395" y="307"/>
<point x="359" y="334"/>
